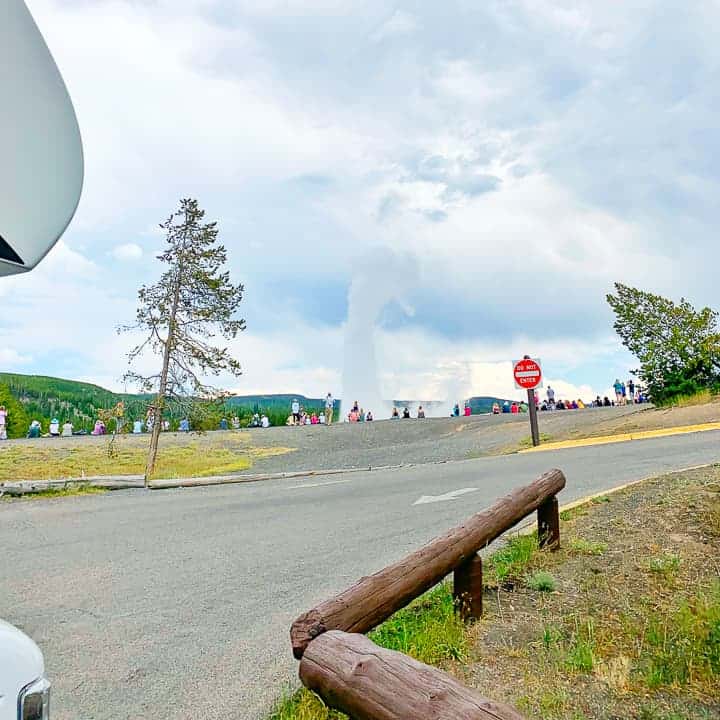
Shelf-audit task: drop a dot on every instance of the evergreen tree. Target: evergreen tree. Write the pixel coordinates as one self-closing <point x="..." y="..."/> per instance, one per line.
<point x="17" y="419"/>
<point x="193" y="301"/>
<point x="678" y="347"/>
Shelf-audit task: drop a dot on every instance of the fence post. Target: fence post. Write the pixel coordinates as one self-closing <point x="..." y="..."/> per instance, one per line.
<point x="549" y="524"/>
<point x="468" y="588"/>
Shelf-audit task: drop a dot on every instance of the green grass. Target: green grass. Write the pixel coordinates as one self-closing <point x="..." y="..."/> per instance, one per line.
<point x="512" y="560"/>
<point x="666" y="565"/>
<point x="579" y="546"/>
<point x="304" y="705"/>
<point x="683" y="645"/>
<point x="526" y="442"/>
<point x="541" y="581"/>
<point x="570" y="645"/>
<point x="703" y="397"/>
<point x="428" y="629"/>
<point x="580" y="656"/>
<point x="65" y="491"/>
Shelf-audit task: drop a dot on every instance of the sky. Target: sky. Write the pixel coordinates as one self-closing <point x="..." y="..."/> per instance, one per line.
<point x="514" y="158"/>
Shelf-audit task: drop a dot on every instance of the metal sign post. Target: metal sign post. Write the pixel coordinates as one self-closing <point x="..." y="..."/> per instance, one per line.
<point x="528" y="376"/>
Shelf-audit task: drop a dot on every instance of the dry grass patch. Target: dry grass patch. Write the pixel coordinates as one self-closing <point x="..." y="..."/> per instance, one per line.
<point x="632" y="629"/>
<point x="49" y="459"/>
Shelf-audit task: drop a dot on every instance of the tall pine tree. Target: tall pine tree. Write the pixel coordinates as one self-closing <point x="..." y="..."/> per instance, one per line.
<point x="182" y="313"/>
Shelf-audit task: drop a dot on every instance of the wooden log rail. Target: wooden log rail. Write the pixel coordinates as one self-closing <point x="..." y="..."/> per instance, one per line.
<point x="373" y="599"/>
<point x="368" y="682"/>
<point x="352" y="674"/>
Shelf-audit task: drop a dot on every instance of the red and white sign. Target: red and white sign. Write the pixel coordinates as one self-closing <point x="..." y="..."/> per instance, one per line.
<point x="527" y="374"/>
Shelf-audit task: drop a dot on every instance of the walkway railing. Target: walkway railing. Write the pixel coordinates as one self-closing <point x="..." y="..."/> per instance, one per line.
<point x="367" y="682"/>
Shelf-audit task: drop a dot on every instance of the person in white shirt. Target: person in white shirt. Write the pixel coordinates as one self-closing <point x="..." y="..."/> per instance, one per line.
<point x="67" y="429"/>
<point x="329" y="405"/>
<point x="137" y="427"/>
<point x="55" y="427"/>
<point x="321" y="419"/>
<point x="264" y="421"/>
<point x="3" y="416"/>
<point x="295" y="407"/>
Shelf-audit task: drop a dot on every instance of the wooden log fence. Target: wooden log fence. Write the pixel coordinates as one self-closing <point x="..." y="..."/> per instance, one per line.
<point x="356" y="676"/>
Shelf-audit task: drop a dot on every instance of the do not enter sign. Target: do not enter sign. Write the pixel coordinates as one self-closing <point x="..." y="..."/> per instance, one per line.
<point x="527" y="374"/>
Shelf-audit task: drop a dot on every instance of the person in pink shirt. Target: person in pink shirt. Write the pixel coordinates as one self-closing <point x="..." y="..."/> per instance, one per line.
<point x="313" y="419"/>
<point x="514" y="409"/>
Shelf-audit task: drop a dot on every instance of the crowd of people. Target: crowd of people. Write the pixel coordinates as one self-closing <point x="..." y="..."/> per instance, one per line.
<point x="626" y="393"/>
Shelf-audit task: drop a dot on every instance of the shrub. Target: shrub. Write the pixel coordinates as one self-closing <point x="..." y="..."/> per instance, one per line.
<point x="541" y="581"/>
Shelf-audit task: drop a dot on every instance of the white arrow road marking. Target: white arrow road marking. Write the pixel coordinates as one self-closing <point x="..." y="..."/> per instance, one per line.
<point x="423" y="500"/>
<point x="322" y="484"/>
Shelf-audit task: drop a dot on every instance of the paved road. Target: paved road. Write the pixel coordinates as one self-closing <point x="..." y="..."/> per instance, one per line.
<point x="177" y="603"/>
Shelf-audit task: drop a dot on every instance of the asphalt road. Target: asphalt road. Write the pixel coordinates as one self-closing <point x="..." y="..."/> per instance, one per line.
<point x="177" y="604"/>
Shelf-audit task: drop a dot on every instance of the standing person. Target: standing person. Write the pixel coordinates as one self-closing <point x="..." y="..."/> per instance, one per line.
<point x="468" y="410"/>
<point x="631" y="389"/>
<point x="550" y="396"/>
<point x="329" y="407"/>
<point x="617" y="387"/>
<point x="67" y="429"/>
<point x="3" y="420"/>
<point x="295" y="409"/>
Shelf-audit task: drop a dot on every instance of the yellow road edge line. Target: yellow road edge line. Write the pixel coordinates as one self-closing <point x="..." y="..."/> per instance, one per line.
<point x="624" y="437"/>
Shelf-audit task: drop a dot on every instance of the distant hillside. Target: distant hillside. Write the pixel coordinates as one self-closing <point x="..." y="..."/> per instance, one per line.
<point x="274" y="402"/>
<point x="40" y="397"/>
<point x="483" y="404"/>
<point x="43" y="398"/>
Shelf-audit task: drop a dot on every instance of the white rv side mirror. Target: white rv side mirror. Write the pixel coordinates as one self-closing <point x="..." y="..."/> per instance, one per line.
<point x="41" y="159"/>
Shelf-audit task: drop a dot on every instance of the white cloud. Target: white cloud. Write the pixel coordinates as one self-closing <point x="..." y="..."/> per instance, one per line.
<point x="398" y="24"/>
<point x="315" y="130"/>
<point x="127" y="251"/>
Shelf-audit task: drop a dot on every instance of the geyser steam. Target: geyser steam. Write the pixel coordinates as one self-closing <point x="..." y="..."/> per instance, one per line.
<point x="379" y="277"/>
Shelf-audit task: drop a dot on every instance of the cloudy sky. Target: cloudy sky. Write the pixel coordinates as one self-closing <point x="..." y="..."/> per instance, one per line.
<point x="513" y="157"/>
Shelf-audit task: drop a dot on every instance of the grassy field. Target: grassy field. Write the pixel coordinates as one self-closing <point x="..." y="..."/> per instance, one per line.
<point x="51" y="458"/>
<point x="623" y="622"/>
